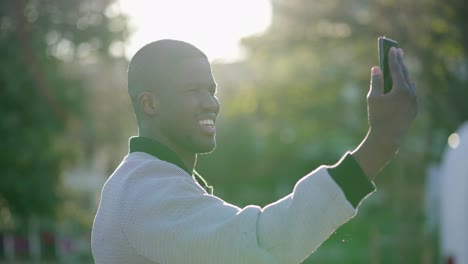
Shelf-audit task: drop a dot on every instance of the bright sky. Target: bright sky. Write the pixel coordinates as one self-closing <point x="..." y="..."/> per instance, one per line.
<point x="214" y="26"/>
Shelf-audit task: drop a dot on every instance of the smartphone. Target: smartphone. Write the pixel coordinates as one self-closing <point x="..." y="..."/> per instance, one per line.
<point x="384" y="46"/>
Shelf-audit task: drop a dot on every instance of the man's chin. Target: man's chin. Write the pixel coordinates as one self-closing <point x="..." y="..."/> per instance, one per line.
<point x="206" y="153"/>
<point x="206" y="148"/>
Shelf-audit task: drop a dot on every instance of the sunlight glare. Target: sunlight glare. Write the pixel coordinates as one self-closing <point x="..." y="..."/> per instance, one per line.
<point x="214" y="26"/>
<point x="454" y="140"/>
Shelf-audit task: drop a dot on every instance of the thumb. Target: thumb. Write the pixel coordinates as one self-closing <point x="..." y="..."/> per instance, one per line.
<point x="376" y="84"/>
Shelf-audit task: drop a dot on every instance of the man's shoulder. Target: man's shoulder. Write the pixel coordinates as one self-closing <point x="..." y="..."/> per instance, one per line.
<point x="140" y="171"/>
<point x="141" y="164"/>
<point x="142" y="178"/>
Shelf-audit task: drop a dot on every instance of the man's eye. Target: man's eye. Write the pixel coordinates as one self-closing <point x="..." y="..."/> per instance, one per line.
<point x="193" y="90"/>
<point x="200" y="90"/>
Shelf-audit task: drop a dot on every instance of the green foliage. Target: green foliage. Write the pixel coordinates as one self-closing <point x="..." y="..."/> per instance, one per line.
<point x="42" y="105"/>
<point x="304" y="105"/>
<point x="297" y="102"/>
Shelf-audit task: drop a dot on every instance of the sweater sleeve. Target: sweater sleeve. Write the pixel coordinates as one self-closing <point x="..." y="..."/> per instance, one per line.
<point x="172" y="220"/>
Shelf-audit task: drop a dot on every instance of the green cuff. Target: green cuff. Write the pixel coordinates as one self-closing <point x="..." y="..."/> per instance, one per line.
<point x="351" y="179"/>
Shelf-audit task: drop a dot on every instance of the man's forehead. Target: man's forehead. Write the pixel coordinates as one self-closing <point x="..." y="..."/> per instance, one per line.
<point x="193" y="70"/>
<point x="195" y="65"/>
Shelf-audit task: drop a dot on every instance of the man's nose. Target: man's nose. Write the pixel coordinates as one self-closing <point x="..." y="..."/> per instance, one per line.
<point x="211" y="103"/>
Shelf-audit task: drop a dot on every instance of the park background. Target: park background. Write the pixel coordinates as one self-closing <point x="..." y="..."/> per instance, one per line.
<point x="294" y="100"/>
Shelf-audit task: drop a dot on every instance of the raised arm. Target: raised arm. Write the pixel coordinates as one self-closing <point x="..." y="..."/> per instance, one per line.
<point x="170" y="219"/>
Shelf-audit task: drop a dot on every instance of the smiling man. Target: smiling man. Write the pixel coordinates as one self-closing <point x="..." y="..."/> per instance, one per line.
<point x="155" y="209"/>
<point x="173" y="95"/>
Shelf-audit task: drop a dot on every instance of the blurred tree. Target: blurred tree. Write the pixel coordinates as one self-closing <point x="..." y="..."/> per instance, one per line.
<point x="42" y="105"/>
<point x="304" y="105"/>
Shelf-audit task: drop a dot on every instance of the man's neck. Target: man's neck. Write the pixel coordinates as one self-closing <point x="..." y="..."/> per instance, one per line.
<point x="189" y="159"/>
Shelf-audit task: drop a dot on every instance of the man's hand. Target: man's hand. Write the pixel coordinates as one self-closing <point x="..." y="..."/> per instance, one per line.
<point x="390" y="116"/>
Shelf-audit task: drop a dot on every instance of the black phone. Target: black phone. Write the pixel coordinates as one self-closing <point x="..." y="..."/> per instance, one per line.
<point x="384" y="45"/>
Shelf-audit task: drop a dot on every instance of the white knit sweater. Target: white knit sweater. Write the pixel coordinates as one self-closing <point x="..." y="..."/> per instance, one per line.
<point x="152" y="211"/>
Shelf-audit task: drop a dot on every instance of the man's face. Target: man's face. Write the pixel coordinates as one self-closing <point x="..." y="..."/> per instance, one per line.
<point x="189" y="107"/>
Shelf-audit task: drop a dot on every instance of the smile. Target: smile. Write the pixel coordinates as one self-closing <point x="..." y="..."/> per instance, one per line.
<point x="207" y="122"/>
<point x="208" y="126"/>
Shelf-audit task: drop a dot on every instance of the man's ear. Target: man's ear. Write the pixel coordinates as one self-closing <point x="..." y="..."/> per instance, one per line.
<point x="149" y="103"/>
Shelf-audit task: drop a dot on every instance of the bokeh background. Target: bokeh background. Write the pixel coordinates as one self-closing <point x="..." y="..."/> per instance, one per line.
<point x="293" y="97"/>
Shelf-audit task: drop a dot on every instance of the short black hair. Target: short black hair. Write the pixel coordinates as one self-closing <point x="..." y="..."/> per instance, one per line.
<point x="155" y="64"/>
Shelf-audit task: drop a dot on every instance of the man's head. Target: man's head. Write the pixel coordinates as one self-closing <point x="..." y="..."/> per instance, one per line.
<point x="173" y="94"/>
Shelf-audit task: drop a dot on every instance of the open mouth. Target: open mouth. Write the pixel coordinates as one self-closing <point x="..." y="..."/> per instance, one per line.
<point x="208" y="126"/>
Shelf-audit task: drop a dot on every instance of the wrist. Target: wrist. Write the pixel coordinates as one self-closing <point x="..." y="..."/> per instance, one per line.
<point x="383" y="142"/>
<point x="374" y="152"/>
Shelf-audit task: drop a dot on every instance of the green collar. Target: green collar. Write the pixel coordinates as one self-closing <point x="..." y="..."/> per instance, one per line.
<point x="156" y="149"/>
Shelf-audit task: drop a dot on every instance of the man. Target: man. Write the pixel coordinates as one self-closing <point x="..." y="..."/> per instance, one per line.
<point x="153" y="210"/>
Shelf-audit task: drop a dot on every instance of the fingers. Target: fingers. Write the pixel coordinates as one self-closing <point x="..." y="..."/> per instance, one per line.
<point x="413" y="88"/>
<point x="400" y="75"/>
<point x="399" y="82"/>
<point x="376" y="85"/>
<point x="403" y="66"/>
<point x="399" y="72"/>
<point x="410" y="84"/>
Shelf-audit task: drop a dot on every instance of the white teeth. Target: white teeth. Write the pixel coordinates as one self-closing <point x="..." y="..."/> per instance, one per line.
<point x="207" y="122"/>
